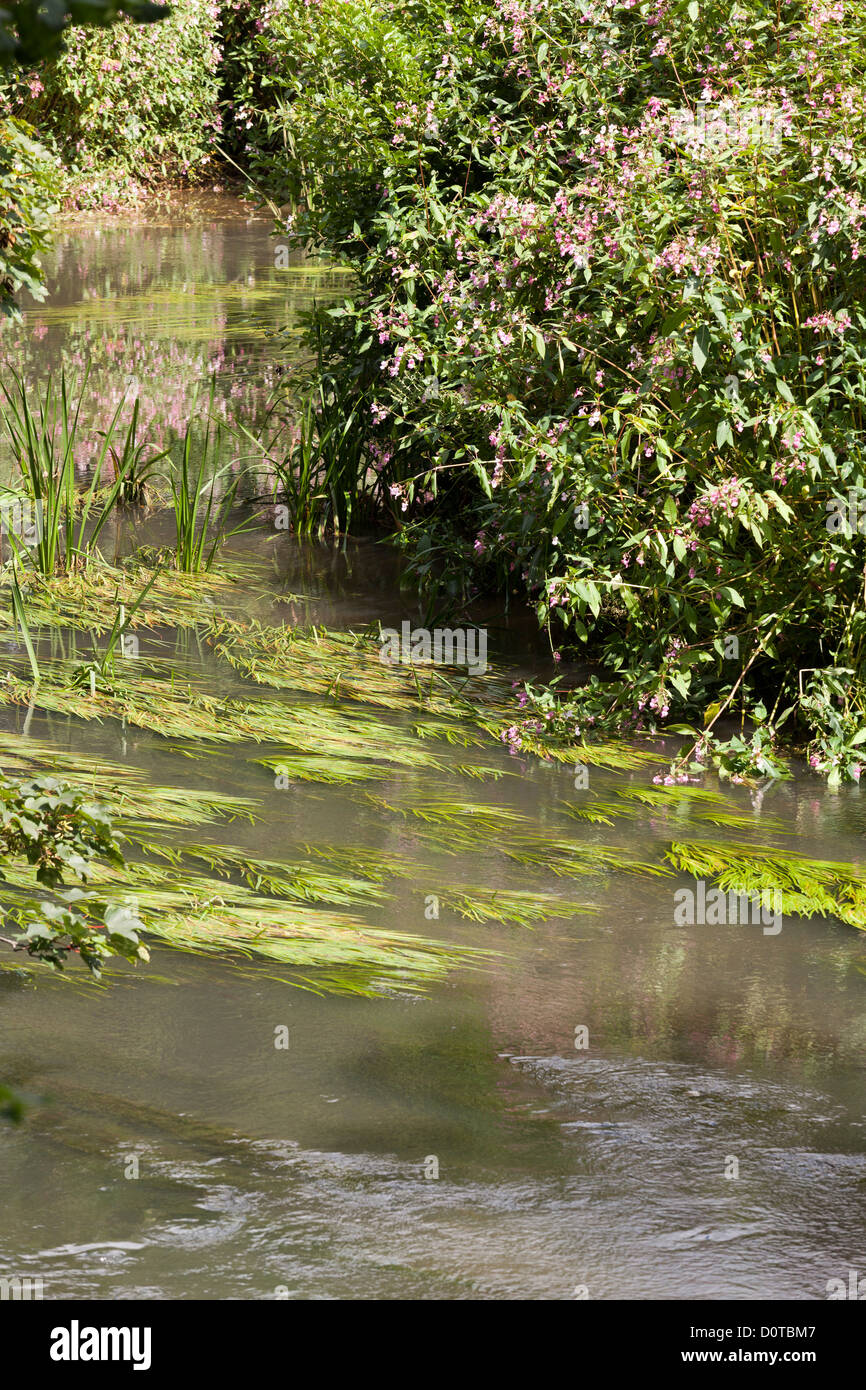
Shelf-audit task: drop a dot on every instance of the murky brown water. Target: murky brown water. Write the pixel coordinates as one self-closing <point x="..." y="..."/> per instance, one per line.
<point x="311" y="1171"/>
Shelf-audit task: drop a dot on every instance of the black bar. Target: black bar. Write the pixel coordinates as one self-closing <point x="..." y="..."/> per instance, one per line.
<point x="226" y="1337"/>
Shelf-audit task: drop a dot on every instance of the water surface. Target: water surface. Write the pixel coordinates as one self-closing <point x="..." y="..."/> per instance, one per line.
<point x="456" y="1145"/>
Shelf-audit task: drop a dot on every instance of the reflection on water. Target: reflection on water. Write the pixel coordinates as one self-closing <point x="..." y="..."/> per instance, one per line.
<point x="461" y="1145"/>
<point x="161" y="308"/>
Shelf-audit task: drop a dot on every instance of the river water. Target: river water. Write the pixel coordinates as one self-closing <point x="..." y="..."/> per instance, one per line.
<point x="462" y="1144"/>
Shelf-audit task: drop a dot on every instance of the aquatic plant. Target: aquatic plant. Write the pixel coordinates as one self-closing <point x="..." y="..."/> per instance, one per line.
<point x="64" y="526"/>
<point x="19" y="615"/>
<point x="695" y="805"/>
<point x="304" y="882"/>
<point x="135" y="464"/>
<point x="803" y="886"/>
<point x="135" y="804"/>
<point x="347" y="666"/>
<point x="183" y="601"/>
<point x="200" y="521"/>
<point x="319" y="461"/>
<point x="310" y="912"/>
<point x="509" y="907"/>
<point x="321" y="949"/>
<point x="100" y="668"/>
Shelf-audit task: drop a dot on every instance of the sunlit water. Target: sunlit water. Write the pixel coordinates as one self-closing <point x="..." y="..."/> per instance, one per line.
<point x="459" y="1145"/>
<point x="197" y="299"/>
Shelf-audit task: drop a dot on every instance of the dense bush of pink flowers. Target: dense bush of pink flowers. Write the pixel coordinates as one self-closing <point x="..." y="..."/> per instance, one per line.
<point x="607" y="324"/>
<point x="609" y="314"/>
<point x="128" y="106"/>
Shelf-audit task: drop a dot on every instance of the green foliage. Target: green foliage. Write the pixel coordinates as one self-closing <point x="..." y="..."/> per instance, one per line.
<point x="28" y="178"/>
<point x="31" y="30"/>
<point x="199" y="518"/>
<point x="59" y="832"/>
<point x="21" y="625"/>
<point x="125" y="104"/>
<point x="84" y="924"/>
<point x="45" y="442"/>
<point x="54" y="828"/>
<point x="833" y="705"/>
<point x="802" y="887"/>
<point x="100" y="669"/>
<point x="321" y="469"/>
<point x="135" y="464"/>
<point x="12" y="1105"/>
<point x="608" y="319"/>
<point x="288" y="913"/>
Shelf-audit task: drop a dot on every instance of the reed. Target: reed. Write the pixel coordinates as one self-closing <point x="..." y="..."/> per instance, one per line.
<point x="200" y="519"/>
<point x="319" y="461"/>
<point x="45" y="437"/>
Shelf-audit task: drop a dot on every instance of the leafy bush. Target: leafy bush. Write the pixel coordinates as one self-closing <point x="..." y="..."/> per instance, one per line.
<point x="55" y="828"/>
<point x="128" y="105"/>
<point x="28" y="177"/>
<point x="609" y="308"/>
<point x="31" y="30"/>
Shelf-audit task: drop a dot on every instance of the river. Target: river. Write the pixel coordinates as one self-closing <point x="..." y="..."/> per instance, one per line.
<point x="201" y="1128"/>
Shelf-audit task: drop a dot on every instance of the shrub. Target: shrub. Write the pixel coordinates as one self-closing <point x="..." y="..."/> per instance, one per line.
<point x="61" y="833"/>
<point x="28" y="176"/>
<point x="609" y="306"/>
<point x="130" y="105"/>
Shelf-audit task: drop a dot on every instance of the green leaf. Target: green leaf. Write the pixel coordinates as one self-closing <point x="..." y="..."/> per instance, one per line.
<point x="701" y="347"/>
<point x="673" y="321"/>
<point x="733" y="596"/>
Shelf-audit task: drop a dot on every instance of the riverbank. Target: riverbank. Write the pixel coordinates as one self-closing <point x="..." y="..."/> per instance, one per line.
<point x="599" y="397"/>
<point x="603" y="338"/>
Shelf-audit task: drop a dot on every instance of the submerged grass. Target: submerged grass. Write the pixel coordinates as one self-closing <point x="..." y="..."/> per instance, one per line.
<point x="282" y="912"/>
<point x="346" y="667"/>
<point x="177" y="708"/>
<point x="510" y="908"/>
<point x="356" y="721"/>
<point x="693" y="805"/>
<point x="805" y="887"/>
<point x="127" y="791"/>
<point x="90" y="601"/>
<point x="322" y="949"/>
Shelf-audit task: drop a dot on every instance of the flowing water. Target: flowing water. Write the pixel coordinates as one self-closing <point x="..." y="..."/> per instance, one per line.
<point x="460" y="1144"/>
